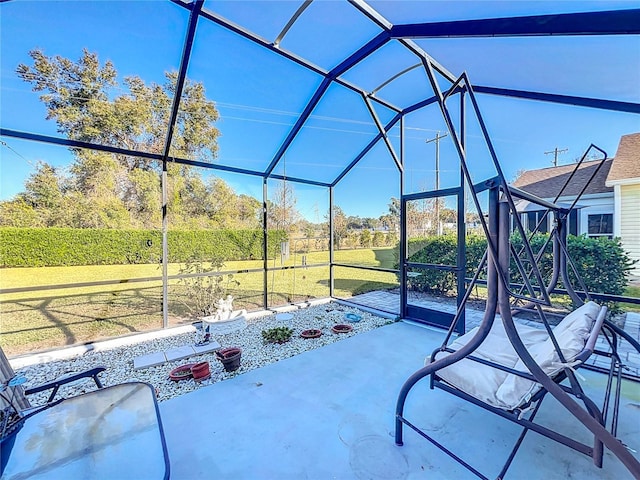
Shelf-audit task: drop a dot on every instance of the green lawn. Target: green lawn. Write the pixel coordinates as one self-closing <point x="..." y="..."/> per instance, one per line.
<point x="631" y="291"/>
<point x="40" y="319"/>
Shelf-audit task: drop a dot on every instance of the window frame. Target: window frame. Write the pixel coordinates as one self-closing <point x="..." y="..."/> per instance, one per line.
<point x="602" y="222"/>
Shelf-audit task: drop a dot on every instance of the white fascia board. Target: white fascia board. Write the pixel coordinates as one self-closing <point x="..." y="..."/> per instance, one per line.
<point x="624" y="181"/>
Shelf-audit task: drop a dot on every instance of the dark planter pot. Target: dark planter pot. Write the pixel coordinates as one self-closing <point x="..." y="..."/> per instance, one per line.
<point x="341" y="328"/>
<point x="311" y="333"/>
<point x="230" y="358"/>
<point x="200" y="371"/>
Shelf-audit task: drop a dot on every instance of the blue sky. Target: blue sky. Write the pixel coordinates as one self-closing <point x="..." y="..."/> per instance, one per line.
<point x="259" y="94"/>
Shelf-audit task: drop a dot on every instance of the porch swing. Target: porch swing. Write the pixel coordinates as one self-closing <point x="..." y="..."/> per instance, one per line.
<point x="508" y="368"/>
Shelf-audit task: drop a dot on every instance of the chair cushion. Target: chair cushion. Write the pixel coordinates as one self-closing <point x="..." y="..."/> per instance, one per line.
<point x="571" y="338"/>
<point x="482" y="381"/>
<point x="505" y="390"/>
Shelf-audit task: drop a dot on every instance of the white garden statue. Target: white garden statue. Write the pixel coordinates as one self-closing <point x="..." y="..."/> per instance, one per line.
<point x="224" y="309"/>
<point x="226" y="320"/>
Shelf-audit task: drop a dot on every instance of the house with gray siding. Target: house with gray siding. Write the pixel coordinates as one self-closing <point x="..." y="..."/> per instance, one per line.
<point x="610" y="204"/>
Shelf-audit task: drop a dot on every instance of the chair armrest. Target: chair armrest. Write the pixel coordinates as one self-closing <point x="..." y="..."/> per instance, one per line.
<point x="65" y="379"/>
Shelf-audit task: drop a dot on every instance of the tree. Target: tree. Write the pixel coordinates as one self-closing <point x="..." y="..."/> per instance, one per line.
<point x="354" y="222"/>
<point x="394" y="207"/>
<point x="391" y="221"/>
<point x="282" y="212"/>
<point x="43" y="188"/>
<point x="220" y="202"/>
<point x="249" y="211"/>
<point x="19" y="213"/>
<point x="378" y="239"/>
<point x="370" y="223"/>
<point x="77" y="97"/>
<point x="339" y="226"/>
<point x="420" y="217"/>
<point x="110" y="190"/>
<point x="365" y="238"/>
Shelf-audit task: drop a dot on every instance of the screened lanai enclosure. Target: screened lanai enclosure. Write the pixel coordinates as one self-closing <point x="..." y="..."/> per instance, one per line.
<point x="303" y="148"/>
<point x="282" y="152"/>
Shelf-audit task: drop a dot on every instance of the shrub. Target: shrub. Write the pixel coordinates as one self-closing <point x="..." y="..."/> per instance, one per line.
<point x="365" y="238"/>
<point x="200" y="293"/>
<point x="41" y="247"/>
<point x="277" y="334"/>
<point x="601" y="263"/>
<point x="391" y="239"/>
<point x="545" y="264"/>
<point x="442" y="250"/>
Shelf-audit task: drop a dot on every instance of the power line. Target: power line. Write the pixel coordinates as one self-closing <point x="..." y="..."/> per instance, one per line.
<point x="5" y="144"/>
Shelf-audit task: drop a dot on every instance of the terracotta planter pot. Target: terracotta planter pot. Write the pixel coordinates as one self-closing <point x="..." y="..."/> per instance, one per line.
<point x="341" y="328"/>
<point x="230" y="358"/>
<point x="311" y="333"/>
<point x="182" y="372"/>
<point x="200" y="371"/>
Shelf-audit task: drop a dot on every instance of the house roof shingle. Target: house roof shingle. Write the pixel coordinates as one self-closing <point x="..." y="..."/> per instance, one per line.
<point x="627" y="160"/>
<point x="547" y="182"/>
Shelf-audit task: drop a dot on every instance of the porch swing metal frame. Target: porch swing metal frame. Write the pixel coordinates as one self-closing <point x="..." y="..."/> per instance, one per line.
<point x="499" y="298"/>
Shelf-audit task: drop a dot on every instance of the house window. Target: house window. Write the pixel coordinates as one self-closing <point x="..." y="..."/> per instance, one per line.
<point x="600" y="225"/>
<point x="530" y="220"/>
<point x="538" y="216"/>
<point x="573" y="222"/>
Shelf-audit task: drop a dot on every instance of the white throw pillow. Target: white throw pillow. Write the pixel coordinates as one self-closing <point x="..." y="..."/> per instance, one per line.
<point x="589" y="309"/>
<point x="515" y="390"/>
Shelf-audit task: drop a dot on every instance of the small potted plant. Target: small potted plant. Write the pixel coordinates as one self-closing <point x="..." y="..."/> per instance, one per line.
<point x="311" y="333"/>
<point x="182" y="372"/>
<point x="230" y="358"/>
<point x="341" y="328"/>
<point x="277" y="335"/>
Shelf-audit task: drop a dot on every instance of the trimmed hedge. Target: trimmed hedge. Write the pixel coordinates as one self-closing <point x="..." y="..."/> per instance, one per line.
<point x="40" y="247"/>
<point x="442" y="250"/>
<point x="601" y="263"/>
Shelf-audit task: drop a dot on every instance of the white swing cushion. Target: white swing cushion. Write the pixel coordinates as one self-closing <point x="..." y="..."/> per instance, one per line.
<point x="482" y="381"/>
<point x="575" y="320"/>
<point x="505" y="390"/>
<point x="571" y="334"/>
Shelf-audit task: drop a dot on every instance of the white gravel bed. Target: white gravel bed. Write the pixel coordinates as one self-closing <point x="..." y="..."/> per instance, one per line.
<point x="255" y="353"/>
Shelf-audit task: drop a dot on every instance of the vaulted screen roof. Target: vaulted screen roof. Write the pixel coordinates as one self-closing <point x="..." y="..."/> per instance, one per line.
<point x="307" y="89"/>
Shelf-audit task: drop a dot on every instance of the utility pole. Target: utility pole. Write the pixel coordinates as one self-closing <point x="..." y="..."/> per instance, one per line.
<point x="436" y="139"/>
<point x="555" y="152"/>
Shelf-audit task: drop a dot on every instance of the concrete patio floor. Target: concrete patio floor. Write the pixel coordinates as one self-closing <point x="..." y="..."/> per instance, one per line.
<point x="329" y="414"/>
